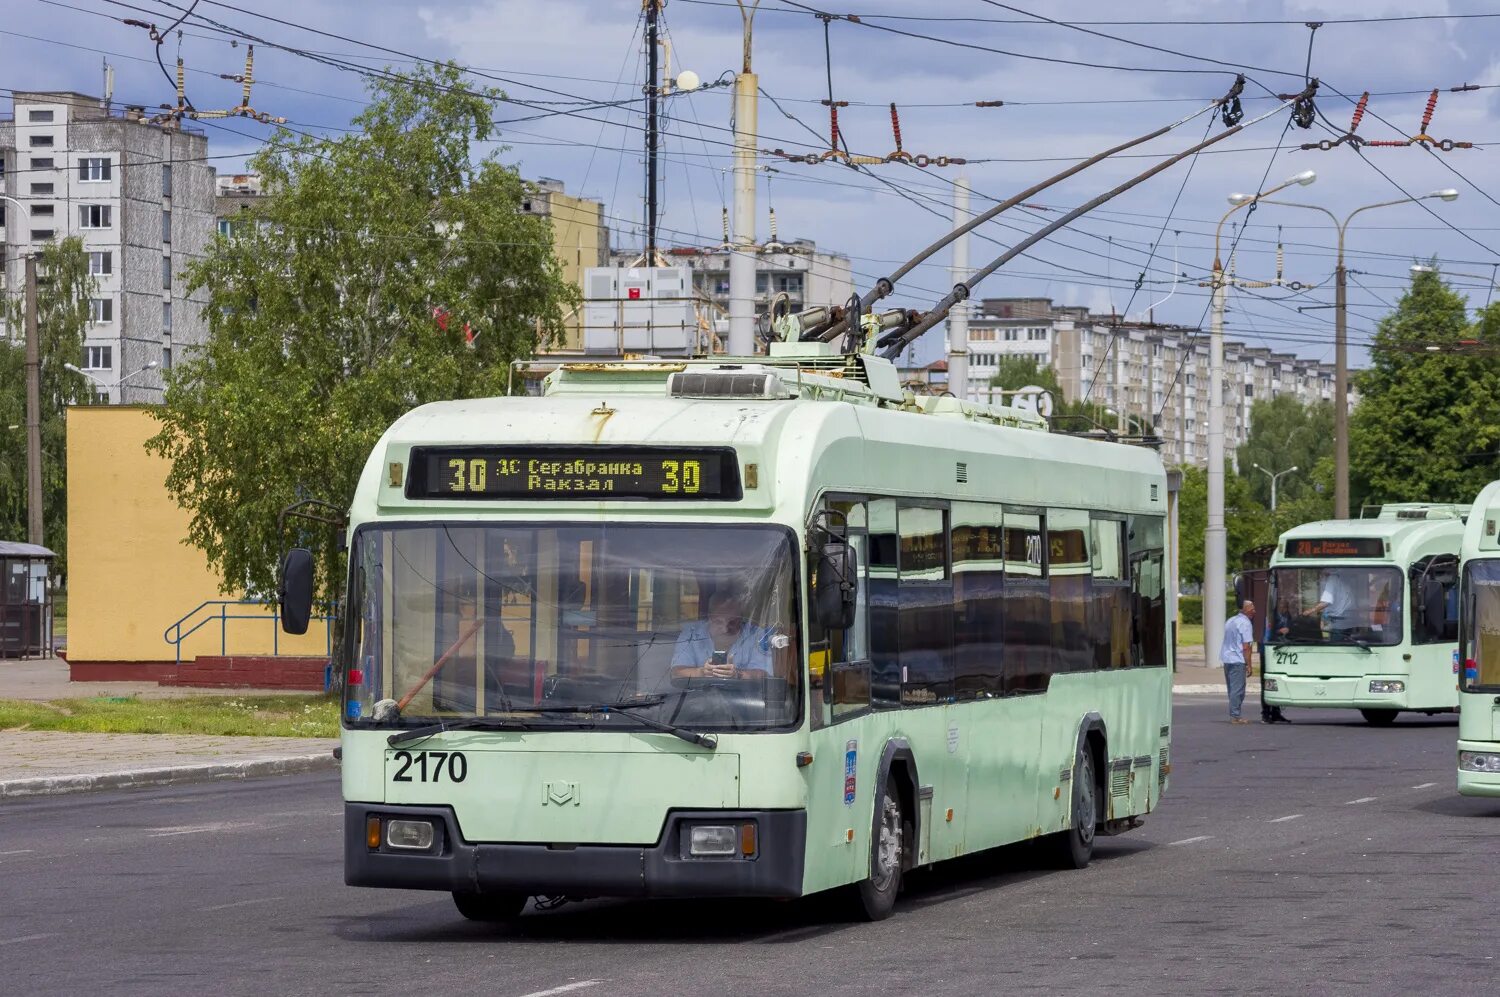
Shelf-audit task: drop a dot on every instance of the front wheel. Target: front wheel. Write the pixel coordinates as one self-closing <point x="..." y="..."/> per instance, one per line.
<point x="1075" y="846"/>
<point x="1379" y="718"/>
<point x="876" y="896"/>
<point x="490" y="906"/>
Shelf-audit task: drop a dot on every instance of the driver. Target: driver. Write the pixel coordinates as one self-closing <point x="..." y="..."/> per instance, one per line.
<point x="1336" y="600"/>
<point x="744" y="647"/>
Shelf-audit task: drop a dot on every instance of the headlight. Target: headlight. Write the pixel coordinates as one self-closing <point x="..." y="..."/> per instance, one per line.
<point x="1391" y="686"/>
<point x="415" y="835"/>
<point x="1270" y="685"/>
<point x="1478" y="761"/>
<point x="713" y="839"/>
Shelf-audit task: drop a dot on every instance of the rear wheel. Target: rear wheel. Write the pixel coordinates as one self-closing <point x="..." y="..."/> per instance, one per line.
<point x="876" y="896"/>
<point x="490" y="906"/>
<point x="1379" y="718"/>
<point x="1075" y="846"/>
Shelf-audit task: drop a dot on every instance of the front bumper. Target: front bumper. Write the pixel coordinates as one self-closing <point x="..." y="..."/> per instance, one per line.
<point x="1347" y="692"/>
<point x="658" y="870"/>
<point x="1478" y="783"/>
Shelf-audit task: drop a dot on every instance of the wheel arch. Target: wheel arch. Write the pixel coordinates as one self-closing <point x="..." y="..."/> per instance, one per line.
<point x="897" y="761"/>
<point x="1093" y="737"/>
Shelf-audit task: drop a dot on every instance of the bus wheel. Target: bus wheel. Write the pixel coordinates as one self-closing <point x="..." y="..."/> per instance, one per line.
<point x="490" y="906"/>
<point x="1379" y="718"/>
<point x="1075" y="846"/>
<point x="877" y="894"/>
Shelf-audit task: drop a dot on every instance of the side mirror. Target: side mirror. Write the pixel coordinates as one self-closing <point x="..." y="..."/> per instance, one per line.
<point x="296" y="594"/>
<point x="835" y="582"/>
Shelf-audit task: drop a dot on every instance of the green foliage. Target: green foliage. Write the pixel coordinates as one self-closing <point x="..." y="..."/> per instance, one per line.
<point x="1285" y="433"/>
<point x="1426" y="427"/>
<point x="321" y="318"/>
<point x="1247" y="523"/>
<point x="63" y="291"/>
<point x="1190" y="612"/>
<point x="1016" y="372"/>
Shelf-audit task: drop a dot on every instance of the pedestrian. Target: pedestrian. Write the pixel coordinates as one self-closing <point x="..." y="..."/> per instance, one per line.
<point x="1235" y="655"/>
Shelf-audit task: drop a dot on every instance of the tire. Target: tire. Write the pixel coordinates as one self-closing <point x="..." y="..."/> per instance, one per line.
<point x="490" y="907"/>
<point x="1075" y="846"/>
<point x="1379" y="718"/>
<point x="875" y="897"/>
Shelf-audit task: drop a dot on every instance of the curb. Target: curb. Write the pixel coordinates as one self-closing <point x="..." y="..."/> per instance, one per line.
<point x="1207" y="690"/>
<point x="129" y="779"/>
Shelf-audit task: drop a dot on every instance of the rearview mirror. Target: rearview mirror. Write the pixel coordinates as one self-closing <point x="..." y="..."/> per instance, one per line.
<point x="835" y="582"/>
<point x="296" y="593"/>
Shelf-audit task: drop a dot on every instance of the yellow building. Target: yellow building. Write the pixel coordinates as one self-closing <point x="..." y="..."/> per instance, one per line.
<point x="580" y="239"/>
<point x="133" y="576"/>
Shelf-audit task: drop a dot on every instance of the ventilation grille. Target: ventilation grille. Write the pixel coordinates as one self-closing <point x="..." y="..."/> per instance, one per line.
<point x="1161" y="770"/>
<point x="730" y="382"/>
<point x="1119" y="782"/>
<point x="962" y="473"/>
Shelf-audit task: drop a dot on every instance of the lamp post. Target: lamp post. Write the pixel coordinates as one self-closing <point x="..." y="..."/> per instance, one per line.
<point x="1274" y="478"/>
<point x="1340" y="350"/>
<point x="1214" y="537"/>
<point x="107" y="384"/>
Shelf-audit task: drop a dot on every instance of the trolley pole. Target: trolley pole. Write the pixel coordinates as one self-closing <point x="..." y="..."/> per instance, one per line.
<point x="33" y="410"/>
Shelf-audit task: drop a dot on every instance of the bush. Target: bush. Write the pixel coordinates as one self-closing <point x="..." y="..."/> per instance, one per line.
<point x="1190" y="609"/>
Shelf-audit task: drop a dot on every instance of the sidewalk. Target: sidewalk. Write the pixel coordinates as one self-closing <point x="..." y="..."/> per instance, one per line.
<point x="1194" y="678"/>
<point x="44" y="679"/>
<point x="47" y="762"/>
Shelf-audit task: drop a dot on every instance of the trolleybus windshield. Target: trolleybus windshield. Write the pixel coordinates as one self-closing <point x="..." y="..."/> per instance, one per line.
<point x="1336" y="604"/>
<point x="1481" y="639"/>
<point x="687" y="625"/>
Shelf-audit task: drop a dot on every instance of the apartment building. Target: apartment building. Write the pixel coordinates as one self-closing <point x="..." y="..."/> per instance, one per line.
<point x="1139" y="370"/>
<point x="141" y="198"/>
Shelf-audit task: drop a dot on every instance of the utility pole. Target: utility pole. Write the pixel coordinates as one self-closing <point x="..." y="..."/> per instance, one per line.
<point x="958" y="319"/>
<point x="33" y="410"/>
<point x="1340" y="391"/>
<point x="742" y="252"/>
<point x="653" y="95"/>
<point x="1215" y="536"/>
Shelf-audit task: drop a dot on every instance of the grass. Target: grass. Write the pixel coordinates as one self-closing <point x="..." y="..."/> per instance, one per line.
<point x="60" y="616"/>
<point x="266" y="716"/>
<point x="1189" y="634"/>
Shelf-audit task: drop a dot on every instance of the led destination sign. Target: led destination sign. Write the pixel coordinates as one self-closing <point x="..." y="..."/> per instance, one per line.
<point x="573" y="473"/>
<point x="1336" y="547"/>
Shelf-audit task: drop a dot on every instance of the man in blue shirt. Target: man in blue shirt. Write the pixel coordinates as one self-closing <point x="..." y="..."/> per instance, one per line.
<point x="1235" y="655"/>
<point x="746" y="647"/>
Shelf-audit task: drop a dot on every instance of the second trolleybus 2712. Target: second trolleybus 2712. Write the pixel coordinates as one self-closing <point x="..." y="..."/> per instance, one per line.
<point x="1363" y="614"/>
<point x="742" y="628"/>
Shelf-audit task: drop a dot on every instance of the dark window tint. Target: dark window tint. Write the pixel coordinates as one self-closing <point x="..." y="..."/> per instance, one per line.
<point x="1028" y="618"/>
<point x="1148" y="591"/>
<point x="1434" y="600"/>
<point x="978" y="600"/>
<point x="1068" y="571"/>
<point x="926" y="606"/>
<point x="1109" y="604"/>
<point x="885" y="649"/>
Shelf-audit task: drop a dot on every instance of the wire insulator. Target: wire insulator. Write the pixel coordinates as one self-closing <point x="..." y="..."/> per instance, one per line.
<point x="833" y="126"/>
<point x="1359" y="111"/>
<point x="896" y="126"/>
<point x="1431" y="106"/>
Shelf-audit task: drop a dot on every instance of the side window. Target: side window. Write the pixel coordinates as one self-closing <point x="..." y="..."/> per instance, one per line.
<point x="1148" y="594"/>
<point x="978" y="600"/>
<point x="1109" y="607"/>
<point x="1069" y="568"/>
<point x="838" y="661"/>
<point x="925" y="606"/>
<point x="880" y="575"/>
<point x="1434" y="599"/>
<point x="1028" y="619"/>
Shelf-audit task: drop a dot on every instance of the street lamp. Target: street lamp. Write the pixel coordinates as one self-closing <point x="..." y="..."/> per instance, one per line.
<point x="106" y="384"/>
<point x="1215" y="536"/>
<point x="1274" y="478"/>
<point x="1341" y="362"/>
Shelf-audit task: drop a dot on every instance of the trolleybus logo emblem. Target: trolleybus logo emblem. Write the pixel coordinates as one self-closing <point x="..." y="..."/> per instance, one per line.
<point x="851" y="755"/>
<point x="559" y="792"/>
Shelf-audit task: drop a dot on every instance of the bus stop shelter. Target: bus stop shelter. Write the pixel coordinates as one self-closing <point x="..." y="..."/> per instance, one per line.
<point x="25" y="600"/>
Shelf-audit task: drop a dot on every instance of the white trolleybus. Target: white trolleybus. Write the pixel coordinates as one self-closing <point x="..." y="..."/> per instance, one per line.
<point x="1479" y="650"/>
<point x="734" y="629"/>
<point x="1363" y="613"/>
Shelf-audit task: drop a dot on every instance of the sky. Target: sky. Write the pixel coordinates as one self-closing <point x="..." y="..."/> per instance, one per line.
<point x="1068" y="92"/>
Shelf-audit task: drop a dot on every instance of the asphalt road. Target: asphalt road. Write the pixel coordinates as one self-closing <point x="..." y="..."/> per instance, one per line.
<point x="1323" y="857"/>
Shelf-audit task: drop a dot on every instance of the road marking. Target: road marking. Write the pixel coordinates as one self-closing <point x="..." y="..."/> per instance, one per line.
<point x="27" y="938"/>
<point x="169" y="832"/>
<point x="1362" y="799"/>
<point x="242" y="903"/>
<point x="19" y="851"/>
<point x="1279" y="820"/>
<point x="565" y="988"/>
<point x="1189" y="841"/>
<point x="1425" y="785"/>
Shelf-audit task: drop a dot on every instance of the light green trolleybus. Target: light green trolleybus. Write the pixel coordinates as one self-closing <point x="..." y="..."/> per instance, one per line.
<point x="1479" y="650"/>
<point x="742" y="628"/>
<point x="1363" y="613"/>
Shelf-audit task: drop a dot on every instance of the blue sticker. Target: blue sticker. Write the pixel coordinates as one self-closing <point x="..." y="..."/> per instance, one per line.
<point x="1455" y="662"/>
<point x="354" y="709"/>
<point x="851" y="756"/>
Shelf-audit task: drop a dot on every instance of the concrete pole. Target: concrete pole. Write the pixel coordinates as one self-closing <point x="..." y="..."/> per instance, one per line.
<point x="958" y="318"/>
<point x="742" y="253"/>
<point x="1340" y="394"/>
<point x="1214" y="535"/>
<point x="33" y="410"/>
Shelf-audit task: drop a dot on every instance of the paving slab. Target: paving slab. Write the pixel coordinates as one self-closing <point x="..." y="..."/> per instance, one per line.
<point x="48" y="762"/>
<point x="43" y="679"/>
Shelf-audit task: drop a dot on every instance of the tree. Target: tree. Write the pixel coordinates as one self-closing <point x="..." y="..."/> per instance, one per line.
<point x="384" y="269"/>
<point x="63" y="291"/>
<point x="1016" y="372"/>
<point x="1247" y="524"/>
<point x="1285" y="433"/>
<point x="1426" y="427"/>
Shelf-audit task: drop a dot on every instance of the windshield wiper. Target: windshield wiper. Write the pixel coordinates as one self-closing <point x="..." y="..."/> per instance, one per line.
<point x="709" y="741"/>
<point x="1360" y="644"/>
<point x="467" y="723"/>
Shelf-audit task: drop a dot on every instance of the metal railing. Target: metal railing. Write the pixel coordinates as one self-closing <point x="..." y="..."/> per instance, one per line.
<point x="218" y="612"/>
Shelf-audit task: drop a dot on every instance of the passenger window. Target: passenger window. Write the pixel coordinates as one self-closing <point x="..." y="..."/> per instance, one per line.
<point x="838" y="661"/>
<point x="925" y="606"/>
<point x="881" y="580"/>
<point x="1068" y="571"/>
<point x="1028" y="619"/>
<point x="1148" y="601"/>
<point x="1434" y="599"/>
<point x="978" y="600"/>
<point x="1109" y="604"/>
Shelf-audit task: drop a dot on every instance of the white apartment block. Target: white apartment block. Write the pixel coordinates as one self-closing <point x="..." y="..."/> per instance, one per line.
<point x="141" y="198"/>
<point x="1138" y="370"/>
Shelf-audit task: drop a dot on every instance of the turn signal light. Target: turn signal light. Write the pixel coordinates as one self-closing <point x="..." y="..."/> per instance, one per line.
<point x="372" y="833"/>
<point x="747" y="840"/>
